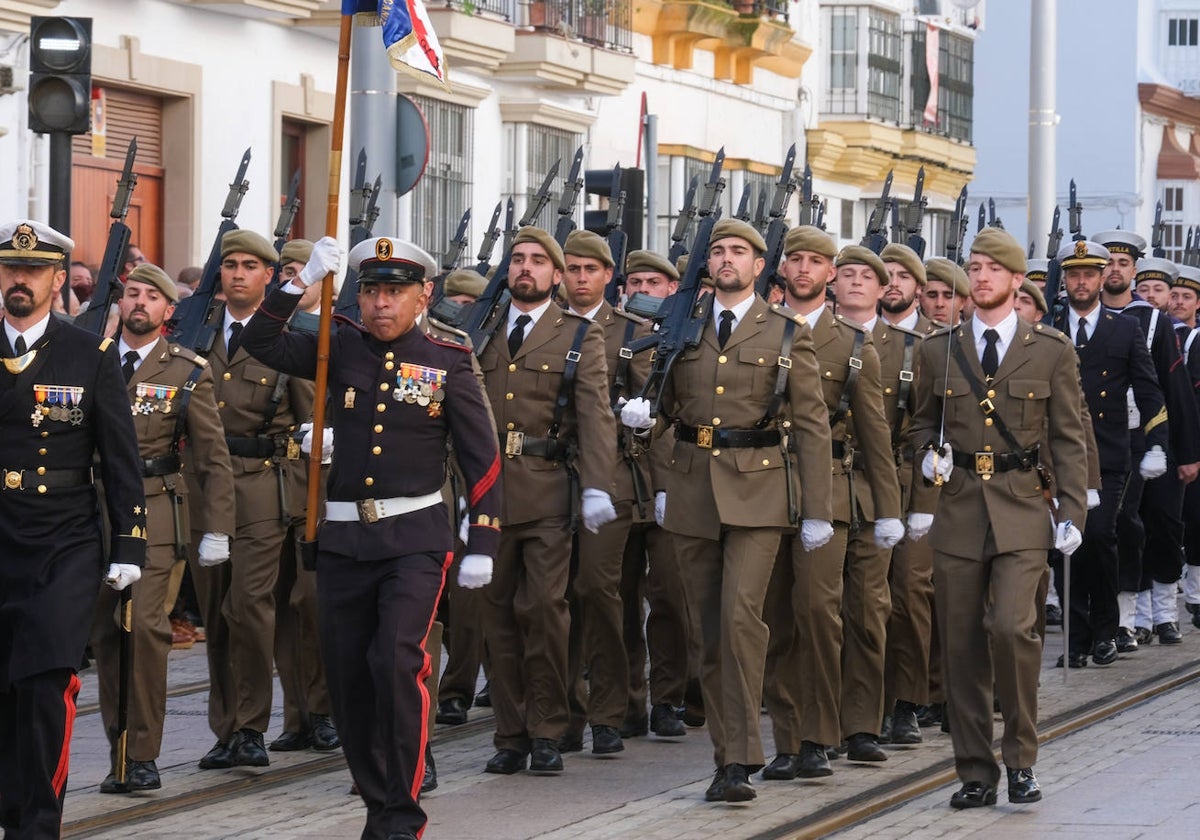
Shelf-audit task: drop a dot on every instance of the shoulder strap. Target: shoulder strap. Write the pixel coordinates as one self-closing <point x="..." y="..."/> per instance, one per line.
<point x="851" y="380"/>
<point x="566" y="387"/>
<point x="784" y="364"/>
<point x="1187" y="345"/>
<point x="988" y="409"/>
<point x="904" y="390"/>
<point x="1153" y="329"/>
<point x="273" y="404"/>
<point x="625" y="356"/>
<point x="181" y="416"/>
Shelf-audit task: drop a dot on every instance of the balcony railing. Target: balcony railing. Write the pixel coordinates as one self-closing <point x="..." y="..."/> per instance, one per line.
<point x="773" y="9"/>
<point x="603" y="23"/>
<point x="499" y="8"/>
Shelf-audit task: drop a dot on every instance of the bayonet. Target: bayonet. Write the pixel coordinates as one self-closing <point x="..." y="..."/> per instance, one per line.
<point x="489" y="242"/>
<point x="683" y="221"/>
<point x="715" y="185"/>
<point x="993" y="219"/>
<point x="1054" y="241"/>
<point x="510" y="227"/>
<point x="957" y="229"/>
<point x="777" y="228"/>
<point x="1075" y="214"/>
<point x="743" y="208"/>
<point x="897" y="228"/>
<point x="1156" y="232"/>
<point x="458" y="244"/>
<point x="982" y="218"/>
<point x="875" y="238"/>
<point x="108" y="287"/>
<point x="806" y="197"/>
<point x="287" y="213"/>
<point x="358" y="190"/>
<point x="566" y="205"/>
<point x="541" y="198"/>
<point x="916" y="216"/>
<point x="368" y="222"/>
<point x="237" y="189"/>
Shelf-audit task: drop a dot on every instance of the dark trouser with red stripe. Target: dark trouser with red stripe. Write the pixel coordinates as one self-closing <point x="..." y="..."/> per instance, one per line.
<point x="373" y="618"/>
<point x="36" y="716"/>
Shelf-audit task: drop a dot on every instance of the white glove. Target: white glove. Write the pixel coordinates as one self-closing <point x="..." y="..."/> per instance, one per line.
<point x="213" y="549"/>
<point x="598" y="509"/>
<point x="475" y="571"/>
<point x="660" y="507"/>
<point x="936" y="464"/>
<point x="919" y="525"/>
<point x="888" y="532"/>
<point x="1093" y="499"/>
<point x="1067" y="538"/>
<point x="327" y="257"/>
<point x="1154" y="463"/>
<point x="326" y="442"/>
<point x="464" y="521"/>
<point x="636" y="414"/>
<point x="814" y="533"/>
<point x="121" y="575"/>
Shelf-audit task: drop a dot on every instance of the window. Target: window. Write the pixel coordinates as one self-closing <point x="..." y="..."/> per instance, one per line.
<point x="843" y="62"/>
<point x="883" y="67"/>
<point x="1183" y="32"/>
<point x="444" y="192"/>
<point x="291" y="161"/>
<point x="1172" y="221"/>
<point x="547" y="145"/>
<point x="956" y="87"/>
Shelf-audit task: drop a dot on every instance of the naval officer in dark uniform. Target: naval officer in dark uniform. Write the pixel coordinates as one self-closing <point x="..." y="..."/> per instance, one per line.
<point x="62" y="401"/>
<point x="396" y="395"/>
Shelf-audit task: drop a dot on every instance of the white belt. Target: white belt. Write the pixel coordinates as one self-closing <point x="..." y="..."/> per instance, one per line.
<point x="370" y="510"/>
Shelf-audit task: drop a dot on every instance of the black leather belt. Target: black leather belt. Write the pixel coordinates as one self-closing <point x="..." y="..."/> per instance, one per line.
<point x="251" y="447"/>
<point x="162" y="465"/>
<point x="31" y="479"/>
<point x="839" y="454"/>
<point x="987" y="463"/>
<point x="519" y="443"/>
<point x="710" y="437"/>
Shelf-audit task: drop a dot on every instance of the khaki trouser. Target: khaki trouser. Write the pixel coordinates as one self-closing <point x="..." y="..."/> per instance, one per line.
<point x="297" y="648"/>
<point x="906" y="672"/>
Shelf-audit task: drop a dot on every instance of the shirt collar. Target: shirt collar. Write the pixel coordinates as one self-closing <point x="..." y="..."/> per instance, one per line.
<point x="590" y="314"/>
<point x="1092" y="317"/>
<point x="31" y="335"/>
<point x="143" y="352"/>
<point x="739" y="310"/>
<point x="909" y="321"/>
<point x="534" y="315"/>
<point x="1006" y="330"/>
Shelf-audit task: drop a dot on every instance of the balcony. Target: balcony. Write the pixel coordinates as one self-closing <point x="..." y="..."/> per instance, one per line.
<point x="601" y="23"/>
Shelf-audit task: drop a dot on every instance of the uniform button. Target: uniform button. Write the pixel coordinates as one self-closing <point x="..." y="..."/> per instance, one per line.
<point x="389" y="355"/>
<point x="545" y="367"/>
<point x="1101" y="415"/>
<point x="375" y="450"/>
<point x="766" y="462"/>
<point x="511" y="426"/>
<point x="227" y="376"/>
<point x="987" y="421"/>
<point x="1104" y="373"/>
<point x="389" y="365"/>
<point x="829" y="373"/>
<point x="887" y="390"/>
<point x="378" y="428"/>
<point x="42" y="451"/>
<point x="47" y="434"/>
<point x="986" y="477"/>
<point x="720" y="389"/>
<point x="991" y="394"/>
<point x="267" y="462"/>
<point x="1030" y="395"/>
<point x="381" y="407"/>
<point x="1104" y="393"/>
<point x="716" y="452"/>
<point x="262" y="381"/>
<point x="512" y="368"/>
<point x="41" y="470"/>
<point x="41" y="488"/>
<point x="383" y="386"/>
<point x="949" y="392"/>
<point x="987" y="449"/>
<point x="761" y="360"/>
<point x="722" y="359"/>
<point x="221" y="404"/>
<point x="508" y="396"/>
<point x="368" y="481"/>
<point x="716" y="421"/>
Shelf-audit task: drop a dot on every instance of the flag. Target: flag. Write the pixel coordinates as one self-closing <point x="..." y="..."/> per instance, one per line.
<point x="412" y="45"/>
<point x="931" y="67"/>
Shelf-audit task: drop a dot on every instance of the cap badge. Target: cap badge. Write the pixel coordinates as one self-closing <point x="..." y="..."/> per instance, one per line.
<point x="24" y="239"/>
<point x="383" y="250"/>
<point x="1081" y="248"/>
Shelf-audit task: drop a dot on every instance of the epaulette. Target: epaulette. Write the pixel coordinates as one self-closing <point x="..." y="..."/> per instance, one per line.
<point x="629" y="316"/>
<point x="446" y="328"/>
<point x="184" y="353"/>
<point x="446" y="342"/>
<point x="785" y="312"/>
<point x="1051" y="332"/>
<point x="342" y="319"/>
<point x="854" y="325"/>
<point x="942" y="329"/>
<point x="906" y="330"/>
<point x="105" y="344"/>
<point x="571" y="314"/>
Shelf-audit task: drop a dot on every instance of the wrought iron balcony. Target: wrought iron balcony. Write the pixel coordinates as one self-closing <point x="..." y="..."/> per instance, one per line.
<point x="773" y="9"/>
<point x="602" y="23"/>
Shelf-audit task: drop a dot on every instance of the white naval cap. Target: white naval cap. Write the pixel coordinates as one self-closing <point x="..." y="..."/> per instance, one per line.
<point x="1121" y="242"/>
<point x="1037" y="268"/>
<point x="1189" y="278"/>
<point x="386" y="260"/>
<point x="1156" y="268"/>
<point x="33" y="243"/>
<point x="1083" y="252"/>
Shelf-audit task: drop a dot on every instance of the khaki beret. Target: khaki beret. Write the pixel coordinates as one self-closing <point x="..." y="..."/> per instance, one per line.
<point x="736" y="227"/>
<point x="1030" y="288"/>
<point x="529" y="233"/>
<point x="297" y="250"/>
<point x="584" y="243"/>
<point x="464" y="281"/>
<point x="1001" y="246"/>
<point x="858" y="255"/>
<point x="907" y="257"/>
<point x="948" y="272"/>
<point x="248" y="242"/>
<point x="650" y="261"/>
<point x="809" y="238"/>
<point x="154" y="276"/>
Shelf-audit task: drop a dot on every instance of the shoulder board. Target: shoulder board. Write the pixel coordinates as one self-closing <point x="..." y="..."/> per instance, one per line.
<point x="105" y="344"/>
<point x="446" y="328"/>
<point x="343" y="320"/>
<point x="571" y="314"/>
<point x="906" y="331"/>
<point x="629" y="316"/>
<point x="854" y="325"/>
<point x="446" y="342"/>
<point x="940" y="329"/>
<point x="788" y="313"/>
<point x="186" y="354"/>
<point x="1051" y="332"/>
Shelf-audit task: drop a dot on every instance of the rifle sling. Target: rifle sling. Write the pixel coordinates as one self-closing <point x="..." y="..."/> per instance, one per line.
<point x="904" y="390"/>
<point x="621" y="375"/>
<point x="851" y="385"/>
<point x="781" y="375"/>
<point x="185" y="397"/>
<point x="567" y="385"/>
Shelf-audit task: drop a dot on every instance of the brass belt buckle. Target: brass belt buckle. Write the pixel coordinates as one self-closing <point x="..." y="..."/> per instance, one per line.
<point x="367" y="512"/>
<point x="987" y="405"/>
<point x="985" y="463"/>
<point x="704" y="437"/>
<point x="12" y="479"/>
<point x="514" y="443"/>
<point x="293" y="449"/>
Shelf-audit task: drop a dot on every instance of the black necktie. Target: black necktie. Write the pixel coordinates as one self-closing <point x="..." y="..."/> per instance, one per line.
<point x="1081" y="335"/>
<point x="235" y="338"/>
<point x="130" y="363"/>
<point x="991" y="359"/>
<point x="725" y="328"/>
<point x="517" y="336"/>
<point x="20" y="346"/>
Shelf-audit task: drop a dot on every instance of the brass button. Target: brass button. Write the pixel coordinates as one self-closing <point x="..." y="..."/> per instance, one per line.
<point x="262" y="381"/>
<point x="41" y="470"/>
<point x="1030" y="395"/>
<point x="1104" y="373"/>
<point x="545" y="367"/>
<point x="267" y="462"/>
<point x="41" y="488"/>
<point x="375" y="450"/>
<point x="987" y="421"/>
<point x="47" y="434"/>
<point x="766" y="462"/>
<point x="986" y="477"/>
<point x="722" y="359"/>
<point x="1101" y="415"/>
<point x="378" y="428"/>
<point x="716" y="421"/>
<point x="991" y="394"/>
<point x="368" y="481"/>
<point x="508" y="396"/>
<point x="512" y="368"/>
<point x="381" y="407"/>
<point x="42" y="451"/>
<point x="716" y="452"/>
<point x="220" y="404"/>
<point x="383" y="386"/>
<point x="227" y="376"/>
<point x="389" y="365"/>
<point x="1104" y="393"/>
<point x="761" y="360"/>
<point x="720" y="389"/>
<point x="511" y="426"/>
<point x="949" y="392"/>
<point x="829" y="373"/>
<point x="887" y="390"/>
<point x="987" y="449"/>
<point x="389" y="355"/>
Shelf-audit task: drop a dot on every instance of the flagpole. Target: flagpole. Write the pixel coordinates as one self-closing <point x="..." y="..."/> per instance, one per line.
<point x="326" y="322"/>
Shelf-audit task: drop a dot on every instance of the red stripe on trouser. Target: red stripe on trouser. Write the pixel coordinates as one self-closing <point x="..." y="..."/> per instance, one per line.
<point x="426" y="667"/>
<point x="64" y="757"/>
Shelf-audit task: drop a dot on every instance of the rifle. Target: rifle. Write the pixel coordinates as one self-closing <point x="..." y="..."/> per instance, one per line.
<point x="875" y="238"/>
<point x="916" y="215"/>
<point x="108" y="286"/>
<point x="1075" y="215"/>
<point x="510" y="230"/>
<point x="363" y="213"/>
<point x="958" y="229"/>
<point x="192" y="328"/>
<point x="982" y="218"/>
<point x="489" y="243"/>
<point x="898" y="229"/>
<point x="1053" y="267"/>
<point x="819" y="221"/>
<point x="682" y="222"/>
<point x="743" y="208"/>
<point x="993" y="219"/>
<point x="778" y="227"/>
<point x="283" y="226"/>
<point x="445" y="310"/>
<point x="807" y="208"/>
<point x="1156" y="233"/>
<point x="566" y="204"/>
<point x="481" y="321"/>
<point x="618" y="239"/>
<point x="761" y="219"/>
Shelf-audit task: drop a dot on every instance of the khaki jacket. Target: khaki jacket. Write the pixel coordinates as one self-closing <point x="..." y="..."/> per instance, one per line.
<point x="893" y="344"/>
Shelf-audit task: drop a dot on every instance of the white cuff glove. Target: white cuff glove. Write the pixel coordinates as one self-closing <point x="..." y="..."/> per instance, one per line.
<point x="660" y="507"/>
<point x="475" y="571"/>
<point x="1067" y="538"/>
<point x="636" y="414"/>
<point x="919" y="525"/>
<point x="814" y="533"/>
<point x="1154" y="463"/>
<point x="327" y="257"/>
<point x="888" y="532"/>
<point x="213" y="549"/>
<point x="464" y="521"/>
<point x="121" y="575"/>
<point x="938" y="464"/>
<point x="1093" y="499"/>
<point x="326" y="441"/>
<point x="598" y="509"/>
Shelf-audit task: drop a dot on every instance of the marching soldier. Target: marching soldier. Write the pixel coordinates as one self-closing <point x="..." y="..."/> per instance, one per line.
<point x="907" y="279"/>
<point x="947" y="295"/>
<point x="827" y="608"/>
<point x="170" y="390"/>
<point x="751" y="457"/>
<point x="260" y="409"/>
<point x="382" y="553"/>
<point x="1184" y="301"/>
<point x="62" y="401"/>
<point x="993" y="393"/>
<point x="546" y="381"/>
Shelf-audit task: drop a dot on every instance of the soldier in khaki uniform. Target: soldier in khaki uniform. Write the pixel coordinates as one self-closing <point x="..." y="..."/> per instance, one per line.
<point x="828" y="606"/>
<point x="538" y="349"/>
<point x="750" y="439"/>
<point x="260" y="410"/>
<point x="946" y="296"/>
<point x="991" y="530"/>
<point x="597" y="614"/>
<point x="171" y="393"/>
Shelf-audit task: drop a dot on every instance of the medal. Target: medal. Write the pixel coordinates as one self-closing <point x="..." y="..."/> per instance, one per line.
<point x="348" y="401"/>
<point x="421" y="385"/>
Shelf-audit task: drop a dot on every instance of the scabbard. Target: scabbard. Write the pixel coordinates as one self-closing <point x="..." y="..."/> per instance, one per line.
<point x="281" y="480"/>
<point x="124" y="671"/>
<point x="181" y="539"/>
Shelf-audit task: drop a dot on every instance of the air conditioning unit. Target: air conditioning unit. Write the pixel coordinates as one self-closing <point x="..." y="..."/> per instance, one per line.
<point x="7" y="76"/>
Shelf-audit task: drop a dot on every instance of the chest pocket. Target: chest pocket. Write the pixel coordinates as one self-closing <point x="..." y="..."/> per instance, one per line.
<point x="549" y="369"/>
<point x="833" y="381"/>
<point x="261" y="381"/>
<point x="1031" y="395"/>
<point x="760" y="364"/>
<point x="355" y="392"/>
<point x="957" y="398"/>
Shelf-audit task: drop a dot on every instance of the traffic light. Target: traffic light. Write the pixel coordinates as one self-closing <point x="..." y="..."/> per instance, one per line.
<point x="599" y="182"/>
<point x="60" y="75"/>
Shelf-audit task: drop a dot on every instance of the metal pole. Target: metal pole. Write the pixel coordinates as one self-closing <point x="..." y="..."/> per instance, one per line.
<point x="1043" y="120"/>
<point x="651" y="158"/>
<point x="373" y="111"/>
<point x="60" y="182"/>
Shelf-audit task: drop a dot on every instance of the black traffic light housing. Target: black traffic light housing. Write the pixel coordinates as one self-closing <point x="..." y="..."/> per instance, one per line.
<point x="599" y="182"/>
<point x="60" y="75"/>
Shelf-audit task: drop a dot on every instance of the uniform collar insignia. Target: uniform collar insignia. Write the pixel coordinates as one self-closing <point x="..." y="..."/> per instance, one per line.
<point x="19" y="363"/>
